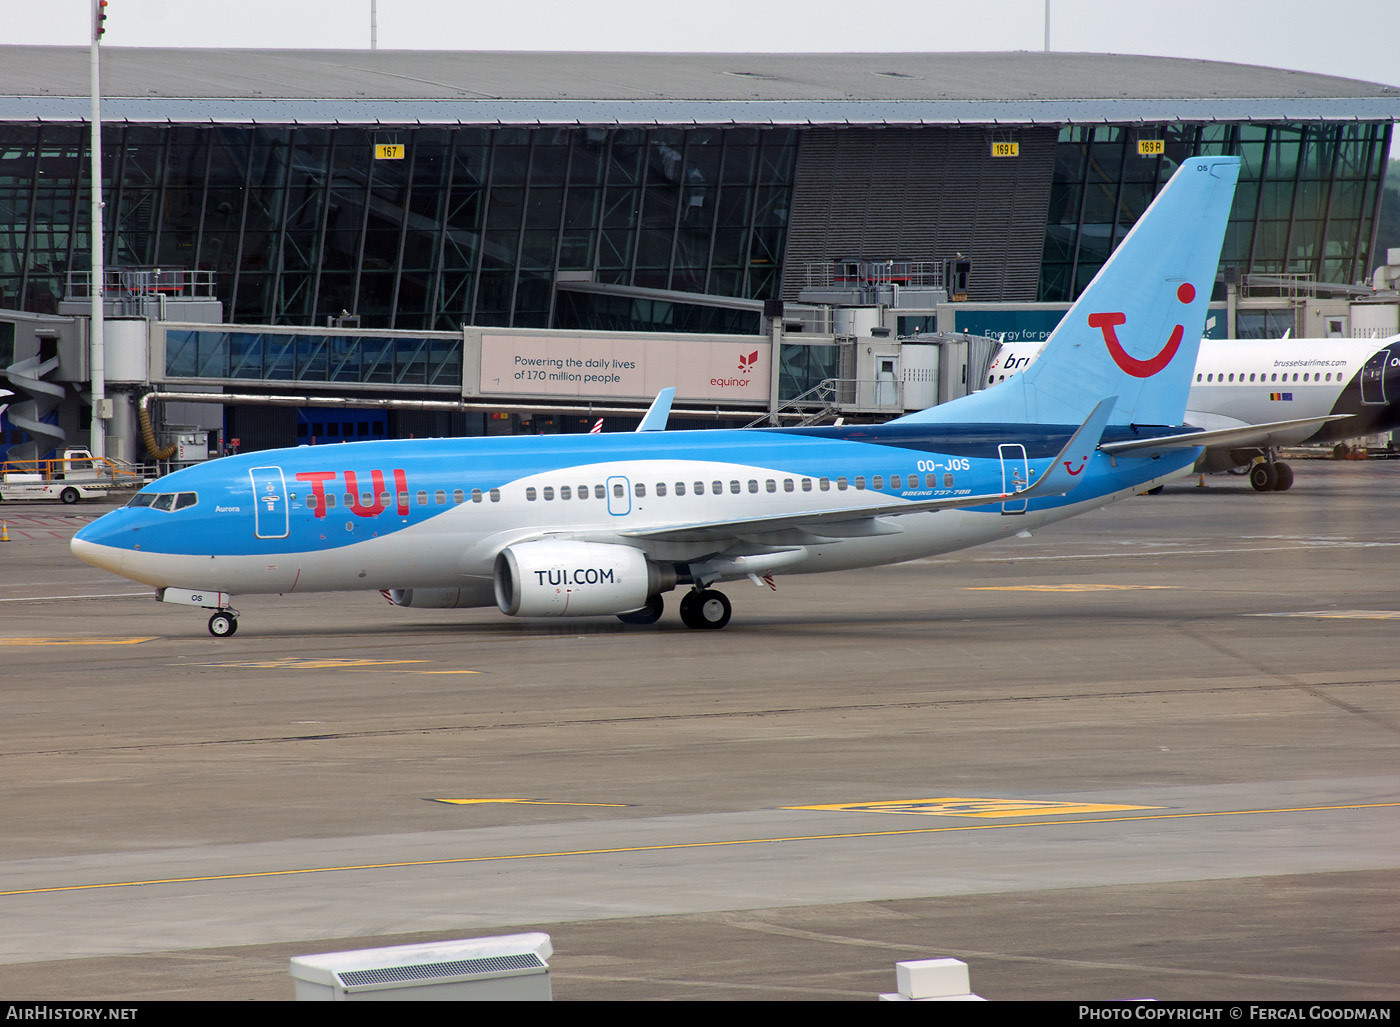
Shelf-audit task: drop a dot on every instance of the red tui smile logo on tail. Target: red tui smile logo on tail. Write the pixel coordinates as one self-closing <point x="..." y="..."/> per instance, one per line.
<point x="1106" y="323"/>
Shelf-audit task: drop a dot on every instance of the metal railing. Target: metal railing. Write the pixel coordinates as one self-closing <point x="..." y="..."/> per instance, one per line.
<point x="121" y="282"/>
<point x="91" y="469"/>
<point x="855" y="274"/>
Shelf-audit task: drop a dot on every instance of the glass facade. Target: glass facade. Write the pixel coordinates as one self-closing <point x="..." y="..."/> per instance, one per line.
<point x="471" y="226"/>
<point x="1305" y="205"/>
<point x="433" y="361"/>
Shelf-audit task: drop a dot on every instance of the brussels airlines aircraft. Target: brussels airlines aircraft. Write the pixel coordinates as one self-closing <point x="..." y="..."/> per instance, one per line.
<point x="1329" y="389"/>
<point x="585" y="525"/>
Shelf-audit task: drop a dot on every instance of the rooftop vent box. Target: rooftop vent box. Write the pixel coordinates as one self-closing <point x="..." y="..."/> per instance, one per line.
<point x="507" y="968"/>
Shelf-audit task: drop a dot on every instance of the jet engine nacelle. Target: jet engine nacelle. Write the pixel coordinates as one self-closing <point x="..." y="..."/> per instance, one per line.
<point x="475" y="594"/>
<point x="553" y="578"/>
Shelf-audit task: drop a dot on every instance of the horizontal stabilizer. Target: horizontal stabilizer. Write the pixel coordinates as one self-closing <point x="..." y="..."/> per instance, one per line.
<point x="1248" y="435"/>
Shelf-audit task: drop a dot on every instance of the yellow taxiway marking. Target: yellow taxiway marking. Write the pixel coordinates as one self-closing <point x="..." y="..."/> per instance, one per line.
<point x="75" y="641"/>
<point x="528" y="802"/>
<point x="983" y="808"/>
<point x="1338" y="614"/>
<point x="1065" y="588"/>
<point x="678" y="846"/>
<point x="300" y="663"/>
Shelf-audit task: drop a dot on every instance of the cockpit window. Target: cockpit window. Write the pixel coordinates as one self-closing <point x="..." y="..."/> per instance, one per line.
<point x="167" y="501"/>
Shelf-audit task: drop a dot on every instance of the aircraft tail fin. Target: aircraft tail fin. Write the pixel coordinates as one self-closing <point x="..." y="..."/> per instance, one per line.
<point x="1135" y="330"/>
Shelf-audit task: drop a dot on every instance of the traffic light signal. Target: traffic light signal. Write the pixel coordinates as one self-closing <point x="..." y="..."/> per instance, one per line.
<point x="99" y="20"/>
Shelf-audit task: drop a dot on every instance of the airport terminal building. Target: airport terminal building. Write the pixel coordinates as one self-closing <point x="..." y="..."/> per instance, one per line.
<point x="434" y="192"/>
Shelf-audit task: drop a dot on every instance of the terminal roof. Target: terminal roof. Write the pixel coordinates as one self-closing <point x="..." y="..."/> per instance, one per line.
<point x="407" y="87"/>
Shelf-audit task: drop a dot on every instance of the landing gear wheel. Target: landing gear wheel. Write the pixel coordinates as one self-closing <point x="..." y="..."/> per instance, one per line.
<point x="223" y="624"/>
<point x="705" y="608"/>
<point x="648" y="614"/>
<point x="1284" y="475"/>
<point x="1263" y="477"/>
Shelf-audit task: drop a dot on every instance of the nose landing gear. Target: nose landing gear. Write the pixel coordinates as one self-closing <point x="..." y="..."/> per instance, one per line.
<point x="224" y="623"/>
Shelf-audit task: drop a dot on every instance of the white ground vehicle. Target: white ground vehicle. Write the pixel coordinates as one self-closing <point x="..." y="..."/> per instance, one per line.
<point x="73" y="477"/>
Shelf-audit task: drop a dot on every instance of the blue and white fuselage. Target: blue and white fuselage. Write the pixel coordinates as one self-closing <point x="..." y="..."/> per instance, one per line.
<point x="581" y="525"/>
<point x="435" y="513"/>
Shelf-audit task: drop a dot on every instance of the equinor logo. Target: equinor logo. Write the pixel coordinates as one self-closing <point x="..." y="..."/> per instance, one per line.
<point x="1107" y="322"/>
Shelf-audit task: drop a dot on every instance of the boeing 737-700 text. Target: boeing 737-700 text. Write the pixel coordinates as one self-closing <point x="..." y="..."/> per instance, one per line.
<point x="587" y="525"/>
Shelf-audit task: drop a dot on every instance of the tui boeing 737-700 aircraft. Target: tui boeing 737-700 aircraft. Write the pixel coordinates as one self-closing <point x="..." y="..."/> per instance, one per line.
<point x="589" y="525"/>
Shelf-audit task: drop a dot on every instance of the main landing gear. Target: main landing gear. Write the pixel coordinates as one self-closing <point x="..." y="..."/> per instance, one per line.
<point x="701" y="608"/>
<point x="648" y="614"/>
<point x="1269" y="475"/>
<point x="705" y="608"/>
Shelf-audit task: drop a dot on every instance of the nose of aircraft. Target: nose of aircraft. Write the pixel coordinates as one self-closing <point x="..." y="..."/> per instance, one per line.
<point x="92" y="544"/>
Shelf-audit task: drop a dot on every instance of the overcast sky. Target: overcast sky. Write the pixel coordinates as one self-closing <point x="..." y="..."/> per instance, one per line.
<point x="1351" y="38"/>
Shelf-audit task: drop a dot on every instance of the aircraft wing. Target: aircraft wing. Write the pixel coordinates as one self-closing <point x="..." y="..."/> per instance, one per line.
<point x="1246" y="435"/>
<point x="1061" y="478"/>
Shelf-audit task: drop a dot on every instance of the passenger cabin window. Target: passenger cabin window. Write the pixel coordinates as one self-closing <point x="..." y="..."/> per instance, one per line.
<point x="495" y="495"/>
<point x="639" y="490"/>
<point x="458" y="496"/>
<point x="660" y="488"/>
<point x="440" y="497"/>
<point x="680" y="488"/>
<point x="530" y="495"/>
<point x="548" y="494"/>
<point x="566" y="492"/>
